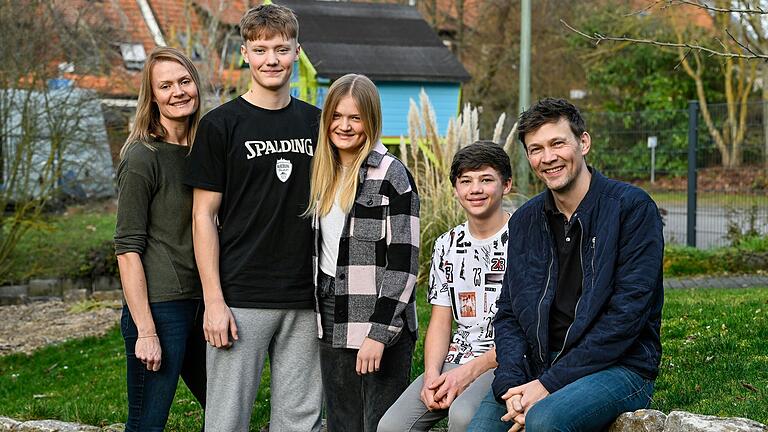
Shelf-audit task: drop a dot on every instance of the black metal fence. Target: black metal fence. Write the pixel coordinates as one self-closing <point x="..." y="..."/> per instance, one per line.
<point x="709" y="178"/>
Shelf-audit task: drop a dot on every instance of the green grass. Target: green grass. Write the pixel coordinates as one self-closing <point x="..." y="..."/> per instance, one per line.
<point x="715" y="362"/>
<point x="57" y="245"/>
<point x="715" y="357"/>
<point x="84" y="381"/>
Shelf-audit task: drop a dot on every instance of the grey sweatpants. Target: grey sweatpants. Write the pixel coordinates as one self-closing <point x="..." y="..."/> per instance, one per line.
<point x="289" y="336"/>
<point x="409" y="414"/>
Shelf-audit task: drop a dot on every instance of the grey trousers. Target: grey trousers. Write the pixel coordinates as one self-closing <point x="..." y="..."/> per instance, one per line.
<point x="289" y="336"/>
<point x="410" y="414"/>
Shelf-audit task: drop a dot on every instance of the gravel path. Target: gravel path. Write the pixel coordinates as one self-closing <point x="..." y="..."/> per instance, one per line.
<point x="25" y="328"/>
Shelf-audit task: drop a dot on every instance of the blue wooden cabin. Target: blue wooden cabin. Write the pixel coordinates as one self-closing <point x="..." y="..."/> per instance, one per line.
<point x="389" y="43"/>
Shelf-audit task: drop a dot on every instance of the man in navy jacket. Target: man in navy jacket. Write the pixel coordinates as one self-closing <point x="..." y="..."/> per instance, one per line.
<point x="577" y="327"/>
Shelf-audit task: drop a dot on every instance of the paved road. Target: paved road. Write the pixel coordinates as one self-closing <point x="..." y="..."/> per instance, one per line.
<point x="711" y="224"/>
<point x="738" y="281"/>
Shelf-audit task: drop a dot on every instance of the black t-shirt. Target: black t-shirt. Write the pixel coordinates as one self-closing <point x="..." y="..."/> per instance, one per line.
<point x="260" y="161"/>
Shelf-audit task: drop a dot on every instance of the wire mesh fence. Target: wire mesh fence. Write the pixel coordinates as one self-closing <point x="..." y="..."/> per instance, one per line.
<point x="650" y="149"/>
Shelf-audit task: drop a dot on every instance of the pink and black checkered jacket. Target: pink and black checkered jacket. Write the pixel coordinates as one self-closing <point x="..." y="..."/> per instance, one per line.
<point x="378" y="256"/>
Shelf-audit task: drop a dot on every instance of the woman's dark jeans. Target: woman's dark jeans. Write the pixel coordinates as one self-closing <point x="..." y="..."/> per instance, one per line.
<point x="356" y="403"/>
<point x="150" y="394"/>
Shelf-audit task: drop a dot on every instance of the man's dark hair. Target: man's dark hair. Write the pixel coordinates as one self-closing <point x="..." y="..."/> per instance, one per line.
<point x="480" y="154"/>
<point x="550" y="110"/>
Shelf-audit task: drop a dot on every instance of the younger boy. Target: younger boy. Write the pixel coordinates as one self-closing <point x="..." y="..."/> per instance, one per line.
<point x="468" y="265"/>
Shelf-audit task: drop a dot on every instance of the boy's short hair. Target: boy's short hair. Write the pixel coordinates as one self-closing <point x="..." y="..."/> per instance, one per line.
<point x="550" y="110"/>
<point x="268" y="20"/>
<point x="478" y="155"/>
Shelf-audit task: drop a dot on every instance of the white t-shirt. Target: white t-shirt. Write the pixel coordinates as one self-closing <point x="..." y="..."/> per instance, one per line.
<point x="331" y="225"/>
<point x="466" y="275"/>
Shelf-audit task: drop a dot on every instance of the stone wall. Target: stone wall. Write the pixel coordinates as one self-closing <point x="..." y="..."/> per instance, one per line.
<point x="100" y="288"/>
<point x="638" y="421"/>
<point x="10" y="425"/>
<point x="681" y="421"/>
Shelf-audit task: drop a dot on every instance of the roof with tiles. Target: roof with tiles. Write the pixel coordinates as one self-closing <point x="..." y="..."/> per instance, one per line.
<point x="228" y="11"/>
<point x="384" y="41"/>
<point x="175" y="18"/>
<point x="126" y="16"/>
<point x="113" y="22"/>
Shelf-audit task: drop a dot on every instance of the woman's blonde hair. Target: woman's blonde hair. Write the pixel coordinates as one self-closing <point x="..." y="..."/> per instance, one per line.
<point x="327" y="176"/>
<point x="146" y="125"/>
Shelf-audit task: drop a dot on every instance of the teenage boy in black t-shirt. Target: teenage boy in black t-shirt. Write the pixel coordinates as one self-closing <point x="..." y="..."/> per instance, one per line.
<point x="249" y="167"/>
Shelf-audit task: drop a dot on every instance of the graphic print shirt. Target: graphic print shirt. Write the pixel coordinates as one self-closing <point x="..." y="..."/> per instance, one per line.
<point x="466" y="276"/>
<point x="260" y="160"/>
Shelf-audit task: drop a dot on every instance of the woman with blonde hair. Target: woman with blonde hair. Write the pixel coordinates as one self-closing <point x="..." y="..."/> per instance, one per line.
<point x="365" y="211"/>
<point x="162" y="313"/>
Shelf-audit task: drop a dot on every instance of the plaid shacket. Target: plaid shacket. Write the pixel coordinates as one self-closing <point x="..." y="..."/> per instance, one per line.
<point x="378" y="256"/>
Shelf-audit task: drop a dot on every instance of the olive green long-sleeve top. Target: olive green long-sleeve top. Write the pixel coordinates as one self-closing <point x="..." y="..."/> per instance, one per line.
<point x="154" y="219"/>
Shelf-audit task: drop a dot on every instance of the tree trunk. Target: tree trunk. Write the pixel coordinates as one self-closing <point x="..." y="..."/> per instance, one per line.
<point x="433" y="9"/>
<point x="764" y="68"/>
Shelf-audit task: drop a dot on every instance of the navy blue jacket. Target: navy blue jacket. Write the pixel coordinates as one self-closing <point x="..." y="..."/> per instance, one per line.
<point x="618" y="315"/>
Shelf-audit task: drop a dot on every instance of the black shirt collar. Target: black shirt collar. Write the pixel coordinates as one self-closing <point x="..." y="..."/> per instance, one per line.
<point x="549" y="200"/>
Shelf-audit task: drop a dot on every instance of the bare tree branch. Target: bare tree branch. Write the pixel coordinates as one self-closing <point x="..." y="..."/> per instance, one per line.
<point x="756" y="25"/>
<point x="682" y="59"/>
<point x="645" y="9"/>
<point x="702" y="5"/>
<point x="597" y="38"/>
<point x="741" y="44"/>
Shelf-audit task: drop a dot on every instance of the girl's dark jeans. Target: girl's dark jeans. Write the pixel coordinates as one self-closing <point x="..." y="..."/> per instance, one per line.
<point x="356" y="403"/>
<point x="150" y="394"/>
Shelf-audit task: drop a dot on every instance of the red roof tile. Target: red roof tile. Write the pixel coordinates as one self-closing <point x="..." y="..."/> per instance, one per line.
<point x="175" y="18"/>
<point x="229" y="11"/>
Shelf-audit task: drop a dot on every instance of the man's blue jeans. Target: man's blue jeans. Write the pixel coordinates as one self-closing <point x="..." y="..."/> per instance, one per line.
<point x="150" y="394"/>
<point x="591" y="403"/>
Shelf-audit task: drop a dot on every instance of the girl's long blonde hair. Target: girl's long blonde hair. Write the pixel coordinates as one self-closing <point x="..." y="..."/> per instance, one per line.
<point x="146" y="125"/>
<point x="327" y="176"/>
